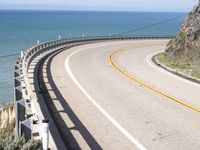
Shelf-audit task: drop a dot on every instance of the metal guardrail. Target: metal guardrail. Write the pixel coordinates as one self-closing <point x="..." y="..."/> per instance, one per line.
<point x="23" y="93"/>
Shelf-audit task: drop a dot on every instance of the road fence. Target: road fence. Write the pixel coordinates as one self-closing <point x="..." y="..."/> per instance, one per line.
<point x="26" y="101"/>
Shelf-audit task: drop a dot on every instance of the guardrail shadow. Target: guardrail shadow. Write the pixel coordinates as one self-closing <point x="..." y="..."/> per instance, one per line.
<point x="25" y="65"/>
<point x="64" y="130"/>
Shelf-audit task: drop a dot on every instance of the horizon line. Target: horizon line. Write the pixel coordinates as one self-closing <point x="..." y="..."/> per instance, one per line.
<point x="83" y="10"/>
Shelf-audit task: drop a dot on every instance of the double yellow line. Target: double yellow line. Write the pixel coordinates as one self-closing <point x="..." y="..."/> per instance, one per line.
<point x="132" y="78"/>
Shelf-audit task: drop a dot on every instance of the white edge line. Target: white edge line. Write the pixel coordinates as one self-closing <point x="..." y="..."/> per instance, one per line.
<point x="112" y="120"/>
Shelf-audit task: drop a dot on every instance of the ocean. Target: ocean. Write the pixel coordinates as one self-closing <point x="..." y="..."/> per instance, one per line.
<point x="20" y="30"/>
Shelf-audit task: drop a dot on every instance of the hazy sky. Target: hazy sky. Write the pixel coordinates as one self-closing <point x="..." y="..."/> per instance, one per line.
<point x="121" y="5"/>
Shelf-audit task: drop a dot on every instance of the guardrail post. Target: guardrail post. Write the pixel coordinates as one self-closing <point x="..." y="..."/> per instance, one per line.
<point x="26" y="128"/>
<point x="20" y="114"/>
<point x="45" y="134"/>
<point x="22" y="54"/>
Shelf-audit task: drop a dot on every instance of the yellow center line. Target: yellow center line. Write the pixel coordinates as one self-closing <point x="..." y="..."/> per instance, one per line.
<point x="132" y="78"/>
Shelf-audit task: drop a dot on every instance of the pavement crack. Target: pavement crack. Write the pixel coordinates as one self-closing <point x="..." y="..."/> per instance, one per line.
<point x="148" y="122"/>
<point x="162" y="136"/>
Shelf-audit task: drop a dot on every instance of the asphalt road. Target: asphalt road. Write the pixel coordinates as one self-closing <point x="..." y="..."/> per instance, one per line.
<point x="111" y="96"/>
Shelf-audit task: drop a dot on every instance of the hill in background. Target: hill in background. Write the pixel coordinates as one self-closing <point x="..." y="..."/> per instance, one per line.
<point x="183" y="52"/>
<point x="185" y="48"/>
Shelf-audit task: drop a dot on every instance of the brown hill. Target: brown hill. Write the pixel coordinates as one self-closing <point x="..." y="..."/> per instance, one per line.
<point x="185" y="48"/>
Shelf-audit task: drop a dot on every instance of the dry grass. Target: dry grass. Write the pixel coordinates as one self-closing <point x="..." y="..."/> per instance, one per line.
<point x="183" y="67"/>
<point x="8" y="139"/>
<point x="7" y="119"/>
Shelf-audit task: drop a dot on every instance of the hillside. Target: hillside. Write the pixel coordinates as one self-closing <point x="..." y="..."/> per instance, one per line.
<point x="185" y="48"/>
<point x="183" y="52"/>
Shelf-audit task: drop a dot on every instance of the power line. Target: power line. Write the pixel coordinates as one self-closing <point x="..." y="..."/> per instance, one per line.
<point x="151" y="25"/>
<point x="5" y="56"/>
<point x="129" y="31"/>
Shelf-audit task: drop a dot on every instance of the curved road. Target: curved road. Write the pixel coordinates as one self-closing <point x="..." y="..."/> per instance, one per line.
<point x="111" y="96"/>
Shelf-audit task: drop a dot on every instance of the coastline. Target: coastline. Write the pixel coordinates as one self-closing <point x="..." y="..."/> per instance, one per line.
<point x="14" y="37"/>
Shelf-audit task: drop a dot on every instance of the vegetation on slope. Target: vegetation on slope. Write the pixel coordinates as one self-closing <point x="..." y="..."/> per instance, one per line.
<point x="183" y="67"/>
<point x="8" y="139"/>
<point x="183" y="52"/>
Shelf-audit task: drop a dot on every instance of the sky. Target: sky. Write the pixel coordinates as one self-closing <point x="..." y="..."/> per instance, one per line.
<point x="105" y="5"/>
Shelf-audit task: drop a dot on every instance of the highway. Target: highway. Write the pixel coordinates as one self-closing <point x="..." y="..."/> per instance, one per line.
<point x="110" y="95"/>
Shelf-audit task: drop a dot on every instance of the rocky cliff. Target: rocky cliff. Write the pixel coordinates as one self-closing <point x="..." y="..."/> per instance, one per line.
<point x="185" y="48"/>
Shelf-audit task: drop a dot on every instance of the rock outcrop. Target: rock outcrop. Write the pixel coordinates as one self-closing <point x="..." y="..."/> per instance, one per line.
<point x="185" y="48"/>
